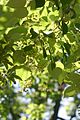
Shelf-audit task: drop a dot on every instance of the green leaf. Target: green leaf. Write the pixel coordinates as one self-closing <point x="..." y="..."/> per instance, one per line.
<point x="11" y="70"/>
<point x="16" y="3"/>
<point x="74" y="78"/>
<point x="16" y="33"/>
<point x="74" y="57"/>
<point x="28" y="48"/>
<point x="64" y="3"/>
<point x="67" y="47"/>
<point x="77" y="9"/>
<point x="44" y="53"/>
<point x="51" y="66"/>
<point x="23" y="73"/>
<point x="11" y="21"/>
<point x="69" y="92"/>
<point x="51" y="42"/>
<point x="62" y="77"/>
<point x="19" y="29"/>
<point x="59" y="64"/>
<point x="33" y="33"/>
<point x="73" y="13"/>
<point x="78" y="1"/>
<point x="51" y="37"/>
<point x="19" y="56"/>
<point x="45" y="18"/>
<point x="32" y="4"/>
<point x="49" y="34"/>
<point x="39" y="3"/>
<point x="53" y="16"/>
<point x="54" y="72"/>
<point x="20" y="12"/>
<point x="57" y="3"/>
<point x="71" y="37"/>
<point x="17" y="77"/>
<point x="36" y="4"/>
<point x="8" y="62"/>
<point x="64" y="28"/>
<point x="77" y="26"/>
<point x="42" y="64"/>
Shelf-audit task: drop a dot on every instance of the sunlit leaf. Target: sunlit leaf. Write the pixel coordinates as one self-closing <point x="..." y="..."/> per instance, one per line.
<point x="23" y="74"/>
<point x="59" y="64"/>
<point x="69" y="92"/>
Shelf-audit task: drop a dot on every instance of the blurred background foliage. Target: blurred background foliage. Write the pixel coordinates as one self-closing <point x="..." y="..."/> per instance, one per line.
<point x="40" y="51"/>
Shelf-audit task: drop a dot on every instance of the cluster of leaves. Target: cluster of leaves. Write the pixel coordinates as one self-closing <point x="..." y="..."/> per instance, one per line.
<point x="40" y="39"/>
<point x="12" y="103"/>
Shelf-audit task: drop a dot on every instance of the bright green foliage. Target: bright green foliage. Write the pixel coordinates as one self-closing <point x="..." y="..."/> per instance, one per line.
<point x="40" y="38"/>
